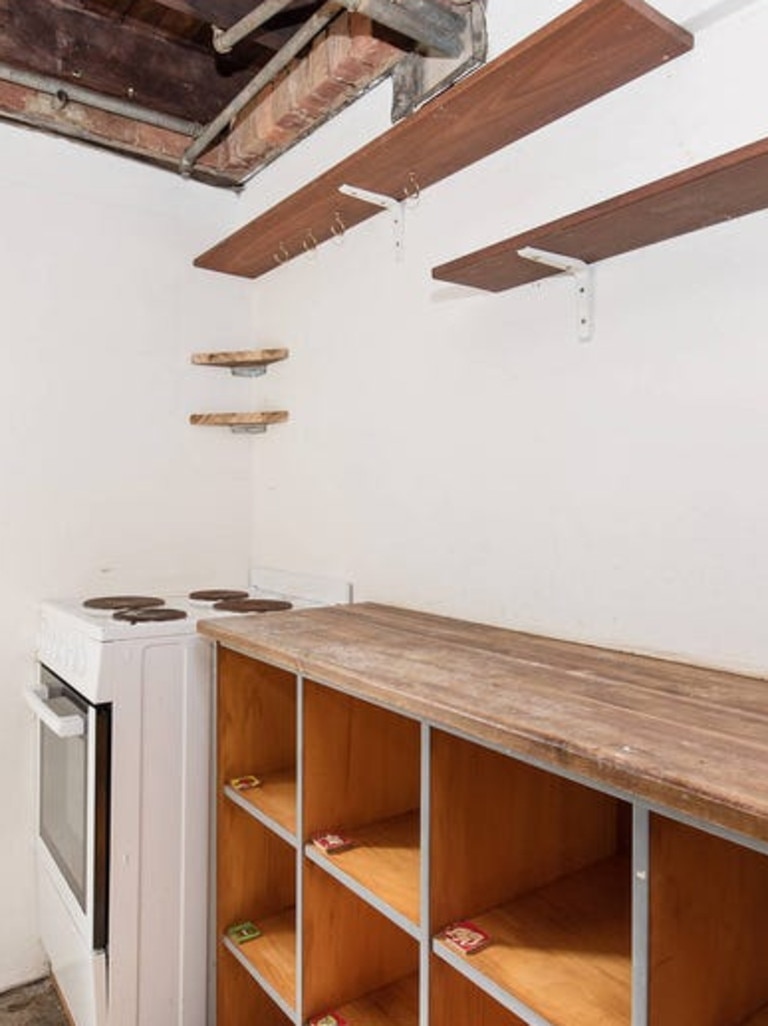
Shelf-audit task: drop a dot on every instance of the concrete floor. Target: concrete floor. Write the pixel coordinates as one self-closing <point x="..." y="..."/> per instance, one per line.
<point x="37" y="1004"/>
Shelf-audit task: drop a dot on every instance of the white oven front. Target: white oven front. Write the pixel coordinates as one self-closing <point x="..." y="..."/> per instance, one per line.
<point x="73" y="835"/>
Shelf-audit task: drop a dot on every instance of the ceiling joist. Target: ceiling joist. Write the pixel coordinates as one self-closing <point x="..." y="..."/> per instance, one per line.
<point x="74" y="45"/>
<point x="223" y="13"/>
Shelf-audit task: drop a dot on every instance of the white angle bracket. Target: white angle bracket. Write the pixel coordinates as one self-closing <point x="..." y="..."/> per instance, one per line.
<point x="580" y="271"/>
<point x="396" y="209"/>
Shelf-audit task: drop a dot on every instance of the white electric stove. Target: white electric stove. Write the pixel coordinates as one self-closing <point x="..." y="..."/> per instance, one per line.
<point x="123" y="848"/>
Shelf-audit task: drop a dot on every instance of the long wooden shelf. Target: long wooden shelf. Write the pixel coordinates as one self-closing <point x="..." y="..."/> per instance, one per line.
<point x="272" y="956"/>
<point x="594" y="47"/>
<point x="385" y="862"/>
<point x="563" y="950"/>
<point x="728" y="186"/>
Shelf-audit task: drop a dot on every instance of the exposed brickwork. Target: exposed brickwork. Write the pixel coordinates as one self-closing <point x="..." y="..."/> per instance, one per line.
<point x="97" y="126"/>
<point x="342" y="61"/>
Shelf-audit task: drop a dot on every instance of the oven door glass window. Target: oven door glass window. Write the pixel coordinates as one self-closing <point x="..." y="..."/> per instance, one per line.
<point x="64" y="797"/>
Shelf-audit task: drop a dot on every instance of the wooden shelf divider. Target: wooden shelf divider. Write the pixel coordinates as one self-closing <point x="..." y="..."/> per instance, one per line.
<point x="589" y="50"/>
<point x="728" y="186"/>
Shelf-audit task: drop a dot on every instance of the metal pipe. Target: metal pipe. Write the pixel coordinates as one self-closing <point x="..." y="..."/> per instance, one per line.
<point x="224" y="40"/>
<point x="65" y="91"/>
<point x="428" y="22"/>
<point x="316" y="23"/>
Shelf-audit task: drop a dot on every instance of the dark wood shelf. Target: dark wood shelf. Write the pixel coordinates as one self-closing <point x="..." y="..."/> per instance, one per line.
<point x="728" y="186"/>
<point x="589" y="50"/>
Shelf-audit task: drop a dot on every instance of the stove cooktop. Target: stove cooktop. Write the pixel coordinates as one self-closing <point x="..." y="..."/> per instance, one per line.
<point x="271" y="591"/>
<point x="81" y="638"/>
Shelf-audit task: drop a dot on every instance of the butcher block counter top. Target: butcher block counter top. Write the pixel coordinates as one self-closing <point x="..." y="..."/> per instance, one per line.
<point x="683" y="738"/>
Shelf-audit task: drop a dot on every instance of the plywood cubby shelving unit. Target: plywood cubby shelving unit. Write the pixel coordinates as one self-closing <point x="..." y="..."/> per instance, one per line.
<point x="589" y="50"/>
<point x="603" y="817"/>
<point x="728" y="186"/>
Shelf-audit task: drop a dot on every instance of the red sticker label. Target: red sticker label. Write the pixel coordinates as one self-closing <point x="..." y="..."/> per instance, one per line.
<point x="332" y="842"/>
<point x="465" y="937"/>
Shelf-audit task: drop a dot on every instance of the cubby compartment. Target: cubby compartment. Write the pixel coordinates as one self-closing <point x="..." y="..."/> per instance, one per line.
<point x="362" y="771"/>
<point x="455" y="1001"/>
<point x="357" y="962"/>
<point x="257" y="737"/>
<point x="256" y="876"/>
<point x="708" y="916"/>
<point x="241" y="1002"/>
<point x="542" y="865"/>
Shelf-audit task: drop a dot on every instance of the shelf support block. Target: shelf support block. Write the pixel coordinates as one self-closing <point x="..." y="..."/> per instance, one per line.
<point x="395" y="207"/>
<point x="580" y="271"/>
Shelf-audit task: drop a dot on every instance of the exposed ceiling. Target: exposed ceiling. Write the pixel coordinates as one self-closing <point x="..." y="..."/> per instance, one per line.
<point x="145" y="76"/>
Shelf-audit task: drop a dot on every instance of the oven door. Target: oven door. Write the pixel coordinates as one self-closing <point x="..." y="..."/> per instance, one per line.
<point x="73" y="819"/>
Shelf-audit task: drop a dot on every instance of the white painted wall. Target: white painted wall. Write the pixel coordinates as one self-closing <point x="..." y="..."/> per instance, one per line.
<point x="103" y="485"/>
<point x="463" y="453"/>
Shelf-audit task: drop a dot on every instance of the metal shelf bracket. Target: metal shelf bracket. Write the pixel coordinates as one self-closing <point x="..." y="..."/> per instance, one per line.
<point x="248" y="429"/>
<point x="256" y="371"/>
<point x="580" y="271"/>
<point x="396" y="209"/>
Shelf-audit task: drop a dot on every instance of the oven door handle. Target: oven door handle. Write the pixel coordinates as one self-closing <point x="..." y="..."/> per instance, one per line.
<point x="62" y="726"/>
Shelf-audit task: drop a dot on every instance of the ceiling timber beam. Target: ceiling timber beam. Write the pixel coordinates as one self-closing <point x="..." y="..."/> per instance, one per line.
<point x="224" y="13"/>
<point x="72" y="44"/>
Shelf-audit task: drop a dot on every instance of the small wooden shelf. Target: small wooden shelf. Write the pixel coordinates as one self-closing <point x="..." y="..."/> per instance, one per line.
<point x="385" y="862"/>
<point x="271" y="958"/>
<point x="244" y="361"/>
<point x="394" y="1005"/>
<point x="273" y="803"/>
<point x="726" y="187"/>
<point x="589" y="50"/>
<point x="565" y="949"/>
<point x="247" y="422"/>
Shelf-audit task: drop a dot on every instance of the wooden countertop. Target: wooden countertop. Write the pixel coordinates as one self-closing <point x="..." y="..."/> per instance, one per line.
<point x="690" y="739"/>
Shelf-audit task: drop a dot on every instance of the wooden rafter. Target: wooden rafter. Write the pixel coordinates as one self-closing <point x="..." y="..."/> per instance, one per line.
<point x="67" y="42"/>
<point x="225" y="13"/>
